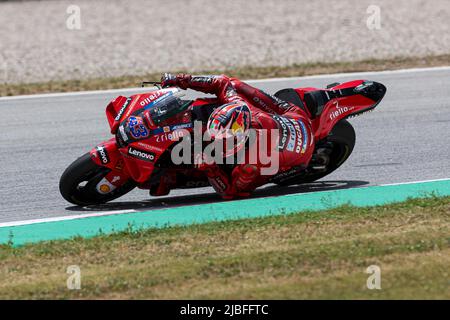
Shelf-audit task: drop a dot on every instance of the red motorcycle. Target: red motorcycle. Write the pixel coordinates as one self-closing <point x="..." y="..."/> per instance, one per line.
<point x="139" y="157"/>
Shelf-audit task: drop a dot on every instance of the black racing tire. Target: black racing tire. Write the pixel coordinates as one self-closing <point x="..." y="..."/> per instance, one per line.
<point x="85" y="171"/>
<point x="342" y="140"/>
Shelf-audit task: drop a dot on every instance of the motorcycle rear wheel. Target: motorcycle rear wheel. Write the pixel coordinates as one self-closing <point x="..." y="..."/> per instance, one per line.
<point x="78" y="183"/>
<point x="340" y="143"/>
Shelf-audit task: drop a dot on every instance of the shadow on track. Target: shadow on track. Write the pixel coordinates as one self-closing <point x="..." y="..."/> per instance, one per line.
<point x="186" y="200"/>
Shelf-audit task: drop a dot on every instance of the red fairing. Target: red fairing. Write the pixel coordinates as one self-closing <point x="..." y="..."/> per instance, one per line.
<point x="114" y="110"/>
<point x="141" y="156"/>
<point x="140" y="160"/>
<point x="344" y="100"/>
<point x="339" y="109"/>
<point x="121" y="107"/>
<point x="107" y="155"/>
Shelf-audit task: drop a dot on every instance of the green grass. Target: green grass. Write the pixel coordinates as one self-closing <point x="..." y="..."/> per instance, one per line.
<point x="307" y="255"/>
<point x="248" y="72"/>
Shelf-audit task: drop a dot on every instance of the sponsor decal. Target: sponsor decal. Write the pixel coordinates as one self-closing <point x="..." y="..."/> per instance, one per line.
<point x="202" y="79"/>
<point x="122" y="110"/>
<point x="172" y="136"/>
<point x="287" y="126"/>
<point x="238" y="126"/>
<point x="305" y="137"/>
<point x="131" y="106"/>
<point x="137" y="128"/>
<point x="170" y="132"/>
<point x="280" y="103"/>
<point x="292" y="135"/>
<point x="119" y="165"/>
<point x="271" y="97"/>
<point x="151" y="98"/>
<point x="262" y="104"/>
<point x="150" y="147"/>
<point x="283" y="132"/>
<point x="123" y="134"/>
<point x="102" y="154"/>
<point x="181" y="126"/>
<point x="141" y="155"/>
<point x="104" y="186"/>
<point x="300" y="135"/>
<point x="283" y="176"/>
<point x="339" y="111"/>
<point x="219" y="185"/>
<point x="157" y="97"/>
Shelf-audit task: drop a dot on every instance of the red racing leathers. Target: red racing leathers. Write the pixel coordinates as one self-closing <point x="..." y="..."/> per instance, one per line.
<point x="295" y="144"/>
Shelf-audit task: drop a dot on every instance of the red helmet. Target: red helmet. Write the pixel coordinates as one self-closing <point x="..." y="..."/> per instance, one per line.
<point x="231" y="120"/>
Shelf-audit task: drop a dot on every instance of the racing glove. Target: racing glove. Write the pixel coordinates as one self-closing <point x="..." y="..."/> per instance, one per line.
<point x="180" y="80"/>
<point x="243" y="178"/>
<point x="216" y="176"/>
<point x="168" y="80"/>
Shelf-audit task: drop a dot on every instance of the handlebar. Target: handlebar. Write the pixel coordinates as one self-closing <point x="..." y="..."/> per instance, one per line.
<point x="157" y="84"/>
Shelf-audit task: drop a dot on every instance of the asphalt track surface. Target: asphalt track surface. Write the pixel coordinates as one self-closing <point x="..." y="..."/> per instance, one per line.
<point x="407" y="138"/>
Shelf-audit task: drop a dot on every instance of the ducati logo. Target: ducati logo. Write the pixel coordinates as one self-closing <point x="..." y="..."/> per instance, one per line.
<point x="125" y="105"/>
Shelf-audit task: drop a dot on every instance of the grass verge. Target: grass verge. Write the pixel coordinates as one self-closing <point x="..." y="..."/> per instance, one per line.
<point x="309" y="255"/>
<point x="249" y="72"/>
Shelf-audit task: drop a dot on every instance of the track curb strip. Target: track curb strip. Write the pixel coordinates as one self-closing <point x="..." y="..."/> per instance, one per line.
<point x="221" y="211"/>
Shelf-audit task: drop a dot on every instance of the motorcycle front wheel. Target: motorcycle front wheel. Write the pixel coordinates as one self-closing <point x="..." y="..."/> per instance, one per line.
<point x="78" y="183"/>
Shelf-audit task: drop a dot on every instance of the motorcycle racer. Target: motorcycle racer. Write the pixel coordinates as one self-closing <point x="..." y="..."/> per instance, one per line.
<point x="161" y="142"/>
<point x="244" y="107"/>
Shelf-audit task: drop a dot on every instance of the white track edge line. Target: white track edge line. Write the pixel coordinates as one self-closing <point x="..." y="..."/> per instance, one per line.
<point x="412" y="182"/>
<point x="64" y="218"/>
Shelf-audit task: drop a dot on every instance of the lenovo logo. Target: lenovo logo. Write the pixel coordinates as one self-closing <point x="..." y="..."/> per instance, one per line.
<point x="141" y="155"/>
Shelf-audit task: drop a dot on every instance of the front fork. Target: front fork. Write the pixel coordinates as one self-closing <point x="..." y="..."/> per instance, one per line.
<point x="107" y="155"/>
